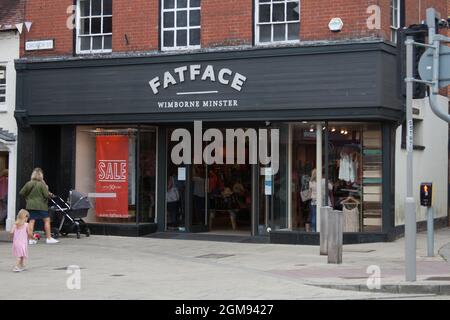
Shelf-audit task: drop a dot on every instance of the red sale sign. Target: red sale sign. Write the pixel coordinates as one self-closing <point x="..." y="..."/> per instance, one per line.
<point x="112" y="176"/>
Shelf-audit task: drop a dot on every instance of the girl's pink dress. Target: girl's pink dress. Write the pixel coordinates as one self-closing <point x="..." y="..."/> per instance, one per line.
<point x="20" y="241"/>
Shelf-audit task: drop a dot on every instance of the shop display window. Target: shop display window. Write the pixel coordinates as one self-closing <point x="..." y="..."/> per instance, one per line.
<point x="113" y="165"/>
<point x="354" y="175"/>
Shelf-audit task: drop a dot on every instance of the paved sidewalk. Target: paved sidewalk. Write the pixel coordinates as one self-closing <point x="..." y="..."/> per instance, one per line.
<point x="150" y="268"/>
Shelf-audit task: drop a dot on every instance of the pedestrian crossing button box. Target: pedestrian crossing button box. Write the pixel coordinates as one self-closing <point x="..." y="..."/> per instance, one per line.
<point x="426" y="194"/>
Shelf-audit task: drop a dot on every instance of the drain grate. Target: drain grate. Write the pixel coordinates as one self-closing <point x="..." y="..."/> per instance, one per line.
<point x="438" y="279"/>
<point x="215" y="256"/>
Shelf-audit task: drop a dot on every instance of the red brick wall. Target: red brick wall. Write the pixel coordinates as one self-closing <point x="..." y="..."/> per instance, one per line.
<point x="416" y="9"/>
<point x="139" y="22"/>
<point x="49" y="19"/>
<point x="226" y="23"/>
<point x="314" y="21"/>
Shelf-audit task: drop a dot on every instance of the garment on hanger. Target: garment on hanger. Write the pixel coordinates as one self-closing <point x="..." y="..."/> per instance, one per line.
<point x="344" y="167"/>
<point x="348" y="167"/>
<point x="351" y="217"/>
<point x="353" y="168"/>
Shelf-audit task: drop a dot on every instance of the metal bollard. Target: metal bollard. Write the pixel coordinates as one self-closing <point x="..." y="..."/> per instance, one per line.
<point x="324" y="212"/>
<point x="335" y="236"/>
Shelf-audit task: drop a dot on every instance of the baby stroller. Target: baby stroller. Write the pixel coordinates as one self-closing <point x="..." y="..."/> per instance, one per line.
<point x="67" y="217"/>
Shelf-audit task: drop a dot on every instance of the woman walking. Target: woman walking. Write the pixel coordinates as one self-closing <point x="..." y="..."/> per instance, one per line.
<point x="36" y="195"/>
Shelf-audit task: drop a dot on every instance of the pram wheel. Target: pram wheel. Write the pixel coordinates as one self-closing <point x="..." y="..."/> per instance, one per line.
<point x="64" y="234"/>
<point x="78" y="235"/>
<point x="88" y="232"/>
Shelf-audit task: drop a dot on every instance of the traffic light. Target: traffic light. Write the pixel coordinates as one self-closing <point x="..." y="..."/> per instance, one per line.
<point x="419" y="32"/>
<point x="426" y="194"/>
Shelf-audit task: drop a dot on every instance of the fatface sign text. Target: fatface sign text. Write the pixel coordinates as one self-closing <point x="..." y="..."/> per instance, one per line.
<point x="179" y="75"/>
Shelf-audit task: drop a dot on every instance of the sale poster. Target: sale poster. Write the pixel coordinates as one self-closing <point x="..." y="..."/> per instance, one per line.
<point x="112" y="176"/>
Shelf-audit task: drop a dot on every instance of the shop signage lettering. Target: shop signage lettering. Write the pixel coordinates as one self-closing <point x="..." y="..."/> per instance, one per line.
<point x="179" y="75"/>
<point x="197" y="104"/>
<point x="112" y="176"/>
<point x="112" y="170"/>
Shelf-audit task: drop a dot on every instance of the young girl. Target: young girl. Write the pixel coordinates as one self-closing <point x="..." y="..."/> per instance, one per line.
<point x="20" y="234"/>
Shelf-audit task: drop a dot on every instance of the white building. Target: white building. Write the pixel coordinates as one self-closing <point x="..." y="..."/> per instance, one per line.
<point x="430" y="161"/>
<point x="10" y="17"/>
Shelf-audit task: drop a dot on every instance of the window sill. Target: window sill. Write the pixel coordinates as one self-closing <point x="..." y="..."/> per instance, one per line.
<point x="86" y="53"/>
<point x="178" y="49"/>
<point x="276" y="43"/>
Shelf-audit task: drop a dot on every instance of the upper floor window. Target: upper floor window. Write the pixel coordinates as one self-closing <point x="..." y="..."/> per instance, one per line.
<point x="94" y="26"/>
<point x="180" y="24"/>
<point x="395" y="19"/>
<point x="2" y="85"/>
<point x="277" y="21"/>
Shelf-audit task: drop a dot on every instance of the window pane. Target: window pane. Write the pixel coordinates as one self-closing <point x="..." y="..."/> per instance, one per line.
<point x="194" y="3"/>
<point x="292" y="11"/>
<point x="107" y="7"/>
<point x="279" y="32"/>
<point x="293" y="31"/>
<point x="84" y="26"/>
<point x="264" y="33"/>
<point x="168" y="39"/>
<point x="194" y="37"/>
<point x="181" y="38"/>
<point x="84" y="8"/>
<point x="181" y="3"/>
<point x="108" y="42"/>
<point x="278" y="12"/>
<point x="181" y="18"/>
<point x="194" y="19"/>
<point x="107" y="25"/>
<point x="85" y="43"/>
<point x="97" y="43"/>
<point x="96" y="24"/>
<point x="169" y="4"/>
<point x="169" y="19"/>
<point x="96" y="7"/>
<point x="264" y="13"/>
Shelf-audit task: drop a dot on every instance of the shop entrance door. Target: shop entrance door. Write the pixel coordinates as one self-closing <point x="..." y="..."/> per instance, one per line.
<point x="214" y="198"/>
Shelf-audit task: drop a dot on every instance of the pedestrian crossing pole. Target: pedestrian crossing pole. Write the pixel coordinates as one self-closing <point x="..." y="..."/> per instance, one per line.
<point x="410" y="206"/>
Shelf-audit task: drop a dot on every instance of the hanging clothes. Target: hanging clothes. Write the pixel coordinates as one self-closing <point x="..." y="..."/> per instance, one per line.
<point x="351" y="218"/>
<point x="348" y="168"/>
<point x="344" y="167"/>
<point x="353" y="172"/>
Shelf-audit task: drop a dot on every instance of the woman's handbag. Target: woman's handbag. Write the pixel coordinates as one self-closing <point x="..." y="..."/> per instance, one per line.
<point x="172" y="195"/>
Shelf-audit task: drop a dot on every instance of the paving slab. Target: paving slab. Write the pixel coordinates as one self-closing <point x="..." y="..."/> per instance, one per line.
<point x="174" y="269"/>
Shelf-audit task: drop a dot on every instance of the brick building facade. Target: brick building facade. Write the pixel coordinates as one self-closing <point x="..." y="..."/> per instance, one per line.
<point x="136" y="27"/>
<point x="314" y="71"/>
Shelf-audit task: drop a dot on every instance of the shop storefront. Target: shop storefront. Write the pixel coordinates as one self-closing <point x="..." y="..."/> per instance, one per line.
<point x="110" y="127"/>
